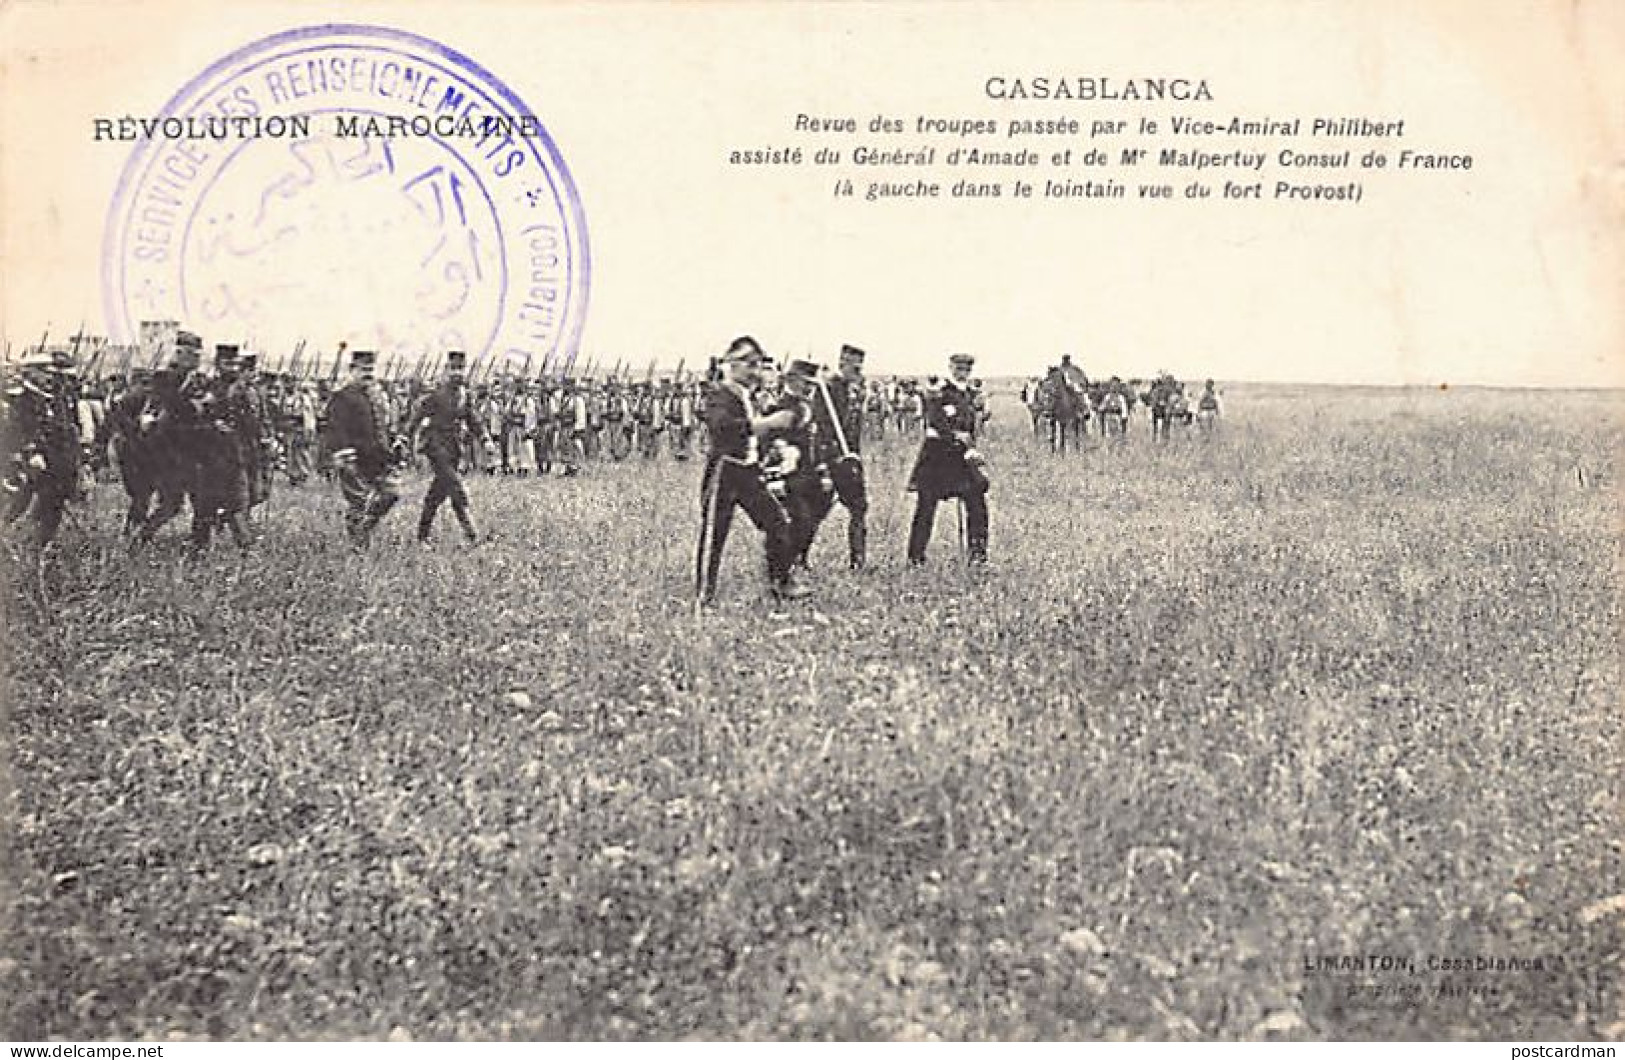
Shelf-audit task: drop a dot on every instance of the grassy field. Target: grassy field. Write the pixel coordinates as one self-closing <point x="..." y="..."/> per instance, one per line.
<point x="1344" y="681"/>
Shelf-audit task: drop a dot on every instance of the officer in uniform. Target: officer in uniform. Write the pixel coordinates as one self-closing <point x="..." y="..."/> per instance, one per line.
<point x="221" y="489"/>
<point x="253" y="411"/>
<point x="443" y="417"/>
<point x="733" y="475"/>
<point x="122" y="429"/>
<point x="795" y="476"/>
<point x="364" y="452"/>
<point x="838" y="414"/>
<point x="169" y="428"/>
<point x="41" y="444"/>
<point x="949" y="465"/>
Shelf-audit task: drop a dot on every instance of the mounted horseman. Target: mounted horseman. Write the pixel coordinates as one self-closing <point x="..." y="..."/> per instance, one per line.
<point x="1063" y="405"/>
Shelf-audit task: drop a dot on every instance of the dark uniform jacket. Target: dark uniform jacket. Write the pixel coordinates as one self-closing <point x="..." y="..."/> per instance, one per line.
<point x="940" y="469"/>
<point x="727" y="418"/>
<point x="38" y="422"/>
<point x="227" y="443"/>
<point x="801" y="435"/>
<point x="450" y="413"/>
<point x="847" y="399"/>
<point x="358" y="419"/>
<point x="171" y="400"/>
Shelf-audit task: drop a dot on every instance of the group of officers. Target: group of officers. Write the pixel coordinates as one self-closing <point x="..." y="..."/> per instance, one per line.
<point x="786" y="464"/>
<point x="784" y="447"/>
<point x="784" y="461"/>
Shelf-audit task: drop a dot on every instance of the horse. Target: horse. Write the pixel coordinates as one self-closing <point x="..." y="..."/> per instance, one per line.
<point x="1166" y="400"/>
<point x="1064" y="411"/>
<point x="1112" y="407"/>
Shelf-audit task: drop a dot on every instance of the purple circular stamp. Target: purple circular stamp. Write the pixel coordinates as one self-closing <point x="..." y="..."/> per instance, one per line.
<point x="356" y="182"/>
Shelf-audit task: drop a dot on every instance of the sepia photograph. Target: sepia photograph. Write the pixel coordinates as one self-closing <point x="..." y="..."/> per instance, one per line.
<point x="936" y="520"/>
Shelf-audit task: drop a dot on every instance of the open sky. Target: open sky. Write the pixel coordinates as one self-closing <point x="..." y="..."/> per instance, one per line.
<point x="1508" y="274"/>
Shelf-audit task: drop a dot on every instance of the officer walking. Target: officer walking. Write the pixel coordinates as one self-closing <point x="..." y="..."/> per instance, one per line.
<point x="41" y="443"/>
<point x="733" y="475"/>
<point x="442" y="418"/>
<point x="226" y="442"/>
<point x="949" y="465"/>
<point x="169" y="426"/>
<point x="364" y="453"/>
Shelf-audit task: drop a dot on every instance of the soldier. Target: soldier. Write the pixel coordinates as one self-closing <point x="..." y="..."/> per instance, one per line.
<point x="617" y="421"/>
<point x="441" y="420"/>
<point x="169" y="428"/>
<point x="680" y="414"/>
<point x="521" y="430"/>
<point x="795" y="476"/>
<point x="122" y="433"/>
<point x="301" y="416"/>
<point x="838" y="408"/>
<point x="949" y="465"/>
<point x="496" y="427"/>
<point x="254" y="417"/>
<point x="575" y="422"/>
<point x="547" y="426"/>
<point x="1114" y="410"/>
<point x="221" y="486"/>
<point x="481" y="454"/>
<point x="645" y="416"/>
<point x="364" y="453"/>
<point x="733" y="476"/>
<point x="1207" y="409"/>
<point x="41" y="444"/>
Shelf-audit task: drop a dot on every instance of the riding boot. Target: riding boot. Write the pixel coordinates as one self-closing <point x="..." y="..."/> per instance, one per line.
<point x="469" y="532"/>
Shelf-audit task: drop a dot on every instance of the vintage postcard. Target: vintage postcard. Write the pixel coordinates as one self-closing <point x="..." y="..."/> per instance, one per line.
<point x="921" y="520"/>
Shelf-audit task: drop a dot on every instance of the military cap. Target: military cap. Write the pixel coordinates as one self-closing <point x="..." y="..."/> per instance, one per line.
<point x="185" y="340"/>
<point x="225" y="354"/>
<point x="803" y="370"/>
<point x="363" y="358"/>
<point x="962" y="360"/>
<point x="249" y="361"/>
<point x="456" y="360"/>
<point x="746" y="349"/>
<point x="852" y="353"/>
